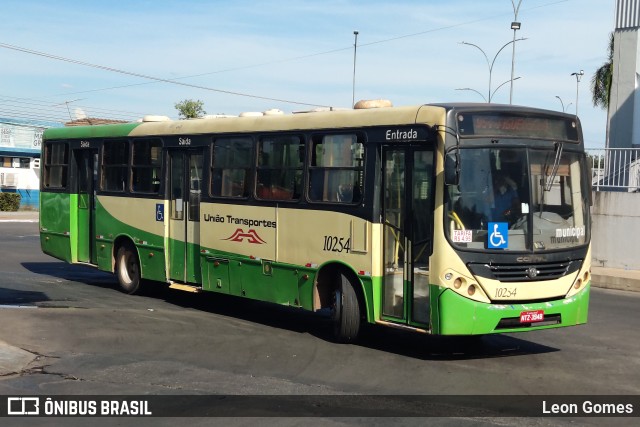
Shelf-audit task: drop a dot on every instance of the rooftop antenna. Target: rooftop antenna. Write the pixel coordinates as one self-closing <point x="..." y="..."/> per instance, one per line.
<point x="67" y="104"/>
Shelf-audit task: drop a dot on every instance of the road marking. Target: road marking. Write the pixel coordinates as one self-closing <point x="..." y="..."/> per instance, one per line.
<point x="17" y="306"/>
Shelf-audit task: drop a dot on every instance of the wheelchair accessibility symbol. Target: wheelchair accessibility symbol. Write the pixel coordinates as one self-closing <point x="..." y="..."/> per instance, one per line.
<point x="159" y="212"/>
<point x="498" y="236"/>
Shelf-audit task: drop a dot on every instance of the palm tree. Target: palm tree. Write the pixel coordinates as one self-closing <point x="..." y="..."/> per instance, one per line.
<point x="601" y="80"/>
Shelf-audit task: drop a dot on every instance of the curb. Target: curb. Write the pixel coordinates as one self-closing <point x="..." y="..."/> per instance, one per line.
<point x="19" y="216"/>
<point x="617" y="280"/>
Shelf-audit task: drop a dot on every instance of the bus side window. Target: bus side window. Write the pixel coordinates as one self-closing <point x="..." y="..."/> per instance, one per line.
<point x="56" y="163"/>
<point x="280" y="166"/>
<point x="231" y="165"/>
<point x="115" y="163"/>
<point x="146" y="166"/>
<point x="336" y="170"/>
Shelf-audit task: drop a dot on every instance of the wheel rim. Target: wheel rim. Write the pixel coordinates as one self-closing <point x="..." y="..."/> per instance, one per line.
<point x="127" y="267"/>
<point x="132" y="268"/>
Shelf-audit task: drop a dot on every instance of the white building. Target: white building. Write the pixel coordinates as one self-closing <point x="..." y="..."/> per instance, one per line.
<point x="20" y="142"/>
<point x="624" y="105"/>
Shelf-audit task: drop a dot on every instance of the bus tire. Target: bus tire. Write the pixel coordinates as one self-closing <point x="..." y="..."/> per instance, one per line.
<point x="345" y="311"/>
<point x="128" y="269"/>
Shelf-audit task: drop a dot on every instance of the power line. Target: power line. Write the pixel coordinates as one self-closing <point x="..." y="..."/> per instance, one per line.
<point x="297" y="58"/>
<point x="177" y="82"/>
<point x="29" y="105"/>
<point x="144" y="76"/>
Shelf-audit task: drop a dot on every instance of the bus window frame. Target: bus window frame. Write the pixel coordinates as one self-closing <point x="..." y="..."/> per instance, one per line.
<point x="302" y="141"/>
<point x="361" y="138"/>
<point x="160" y="165"/>
<point x="127" y="166"/>
<point x="249" y="183"/>
<point x="64" y="166"/>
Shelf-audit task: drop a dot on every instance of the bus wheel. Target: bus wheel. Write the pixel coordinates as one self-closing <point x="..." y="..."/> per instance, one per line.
<point x="345" y="311"/>
<point x="128" y="269"/>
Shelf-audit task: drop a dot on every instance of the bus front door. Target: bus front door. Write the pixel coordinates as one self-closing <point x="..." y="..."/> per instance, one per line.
<point x="86" y="161"/>
<point x="184" y="224"/>
<point x="407" y="215"/>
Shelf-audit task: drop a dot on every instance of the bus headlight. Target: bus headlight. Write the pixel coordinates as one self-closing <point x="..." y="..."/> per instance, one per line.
<point x="580" y="282"/>
<point x="463" y="285"/>
<point x="471" y="290"/>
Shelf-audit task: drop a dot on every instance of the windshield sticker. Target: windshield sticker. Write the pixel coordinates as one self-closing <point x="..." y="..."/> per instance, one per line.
<point x="498" y="235"/>
<point x="568" y="235"/>
<point x="462" y="236"/>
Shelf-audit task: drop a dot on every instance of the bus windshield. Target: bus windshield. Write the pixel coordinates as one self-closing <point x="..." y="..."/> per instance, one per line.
<point x="518" y="199"/>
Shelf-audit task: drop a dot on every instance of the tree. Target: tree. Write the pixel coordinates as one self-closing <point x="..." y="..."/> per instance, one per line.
<point x="190" y="109"/>
<point x="601" y="80"/>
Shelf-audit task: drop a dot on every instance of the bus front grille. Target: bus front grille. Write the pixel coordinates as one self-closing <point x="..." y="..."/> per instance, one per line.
<point x="525" y="272"/>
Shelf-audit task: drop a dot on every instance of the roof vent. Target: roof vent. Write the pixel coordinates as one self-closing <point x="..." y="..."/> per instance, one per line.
<point x="152" y="118"/>
<point x="273" y="112"/>
<point x="251" y="114"/>
<point x="372" y="103"/>
<point x="321" y="109"/>
<point x="218" y="116"/>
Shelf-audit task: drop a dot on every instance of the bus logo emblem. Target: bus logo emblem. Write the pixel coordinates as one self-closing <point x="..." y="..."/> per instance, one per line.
<point x="251" y="235"/>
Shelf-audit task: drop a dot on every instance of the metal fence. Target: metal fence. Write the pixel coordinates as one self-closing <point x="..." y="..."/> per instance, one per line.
<point x="615" y="169"/>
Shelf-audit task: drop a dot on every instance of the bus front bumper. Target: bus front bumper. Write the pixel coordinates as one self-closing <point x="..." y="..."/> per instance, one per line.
<point x="463" y="316"/>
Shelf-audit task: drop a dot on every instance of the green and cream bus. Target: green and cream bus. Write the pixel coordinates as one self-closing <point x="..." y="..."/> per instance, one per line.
<point x="450" y="219"/>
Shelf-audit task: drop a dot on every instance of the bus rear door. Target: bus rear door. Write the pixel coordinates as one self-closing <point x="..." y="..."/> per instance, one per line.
<point x="184" y="223"/>
<point x="86" y="177"/>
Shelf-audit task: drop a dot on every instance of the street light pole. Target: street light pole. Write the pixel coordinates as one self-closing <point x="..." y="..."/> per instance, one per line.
<point x="494" y="92"/>
<point x="502" y="84"/>
<point x="355" y="48"/>
<point x="490" y="65"/>
<point x="564" y="109"/>
<point x="578" y="75"/>
<point x="515" y="26"/>
<point x="473" y="90"/>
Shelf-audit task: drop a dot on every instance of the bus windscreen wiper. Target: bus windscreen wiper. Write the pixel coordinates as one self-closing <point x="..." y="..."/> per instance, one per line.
<point x="556" y="164"/>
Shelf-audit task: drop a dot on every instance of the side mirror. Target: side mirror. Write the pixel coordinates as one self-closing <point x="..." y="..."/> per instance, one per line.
<point x="451" y="168"/>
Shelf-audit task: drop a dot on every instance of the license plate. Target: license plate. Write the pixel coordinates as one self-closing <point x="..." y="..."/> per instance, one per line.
<point x="532" y="316"/>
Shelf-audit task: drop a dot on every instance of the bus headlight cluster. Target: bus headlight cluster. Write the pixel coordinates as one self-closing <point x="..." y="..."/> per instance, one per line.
<point x="464" y="285"/>
<point x="582" y="280"/>
<point x="579" y="283"/>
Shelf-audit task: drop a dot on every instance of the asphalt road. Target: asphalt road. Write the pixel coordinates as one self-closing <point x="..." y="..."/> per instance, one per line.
<point x="79" y="335"/>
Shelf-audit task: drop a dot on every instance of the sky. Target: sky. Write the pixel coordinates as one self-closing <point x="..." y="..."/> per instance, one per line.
<point x="126" y="59"/>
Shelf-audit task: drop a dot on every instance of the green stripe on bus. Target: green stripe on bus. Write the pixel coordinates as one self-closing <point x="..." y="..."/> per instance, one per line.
<point x="119" y="130"/>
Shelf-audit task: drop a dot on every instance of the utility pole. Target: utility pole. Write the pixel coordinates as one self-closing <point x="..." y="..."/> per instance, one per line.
<point x="515" y="26"/>
<point x="355" y="48"/>
<point x="578" y="75"/>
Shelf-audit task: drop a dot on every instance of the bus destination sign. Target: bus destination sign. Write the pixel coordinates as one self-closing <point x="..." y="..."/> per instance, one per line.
<point x="512" y="125"/>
